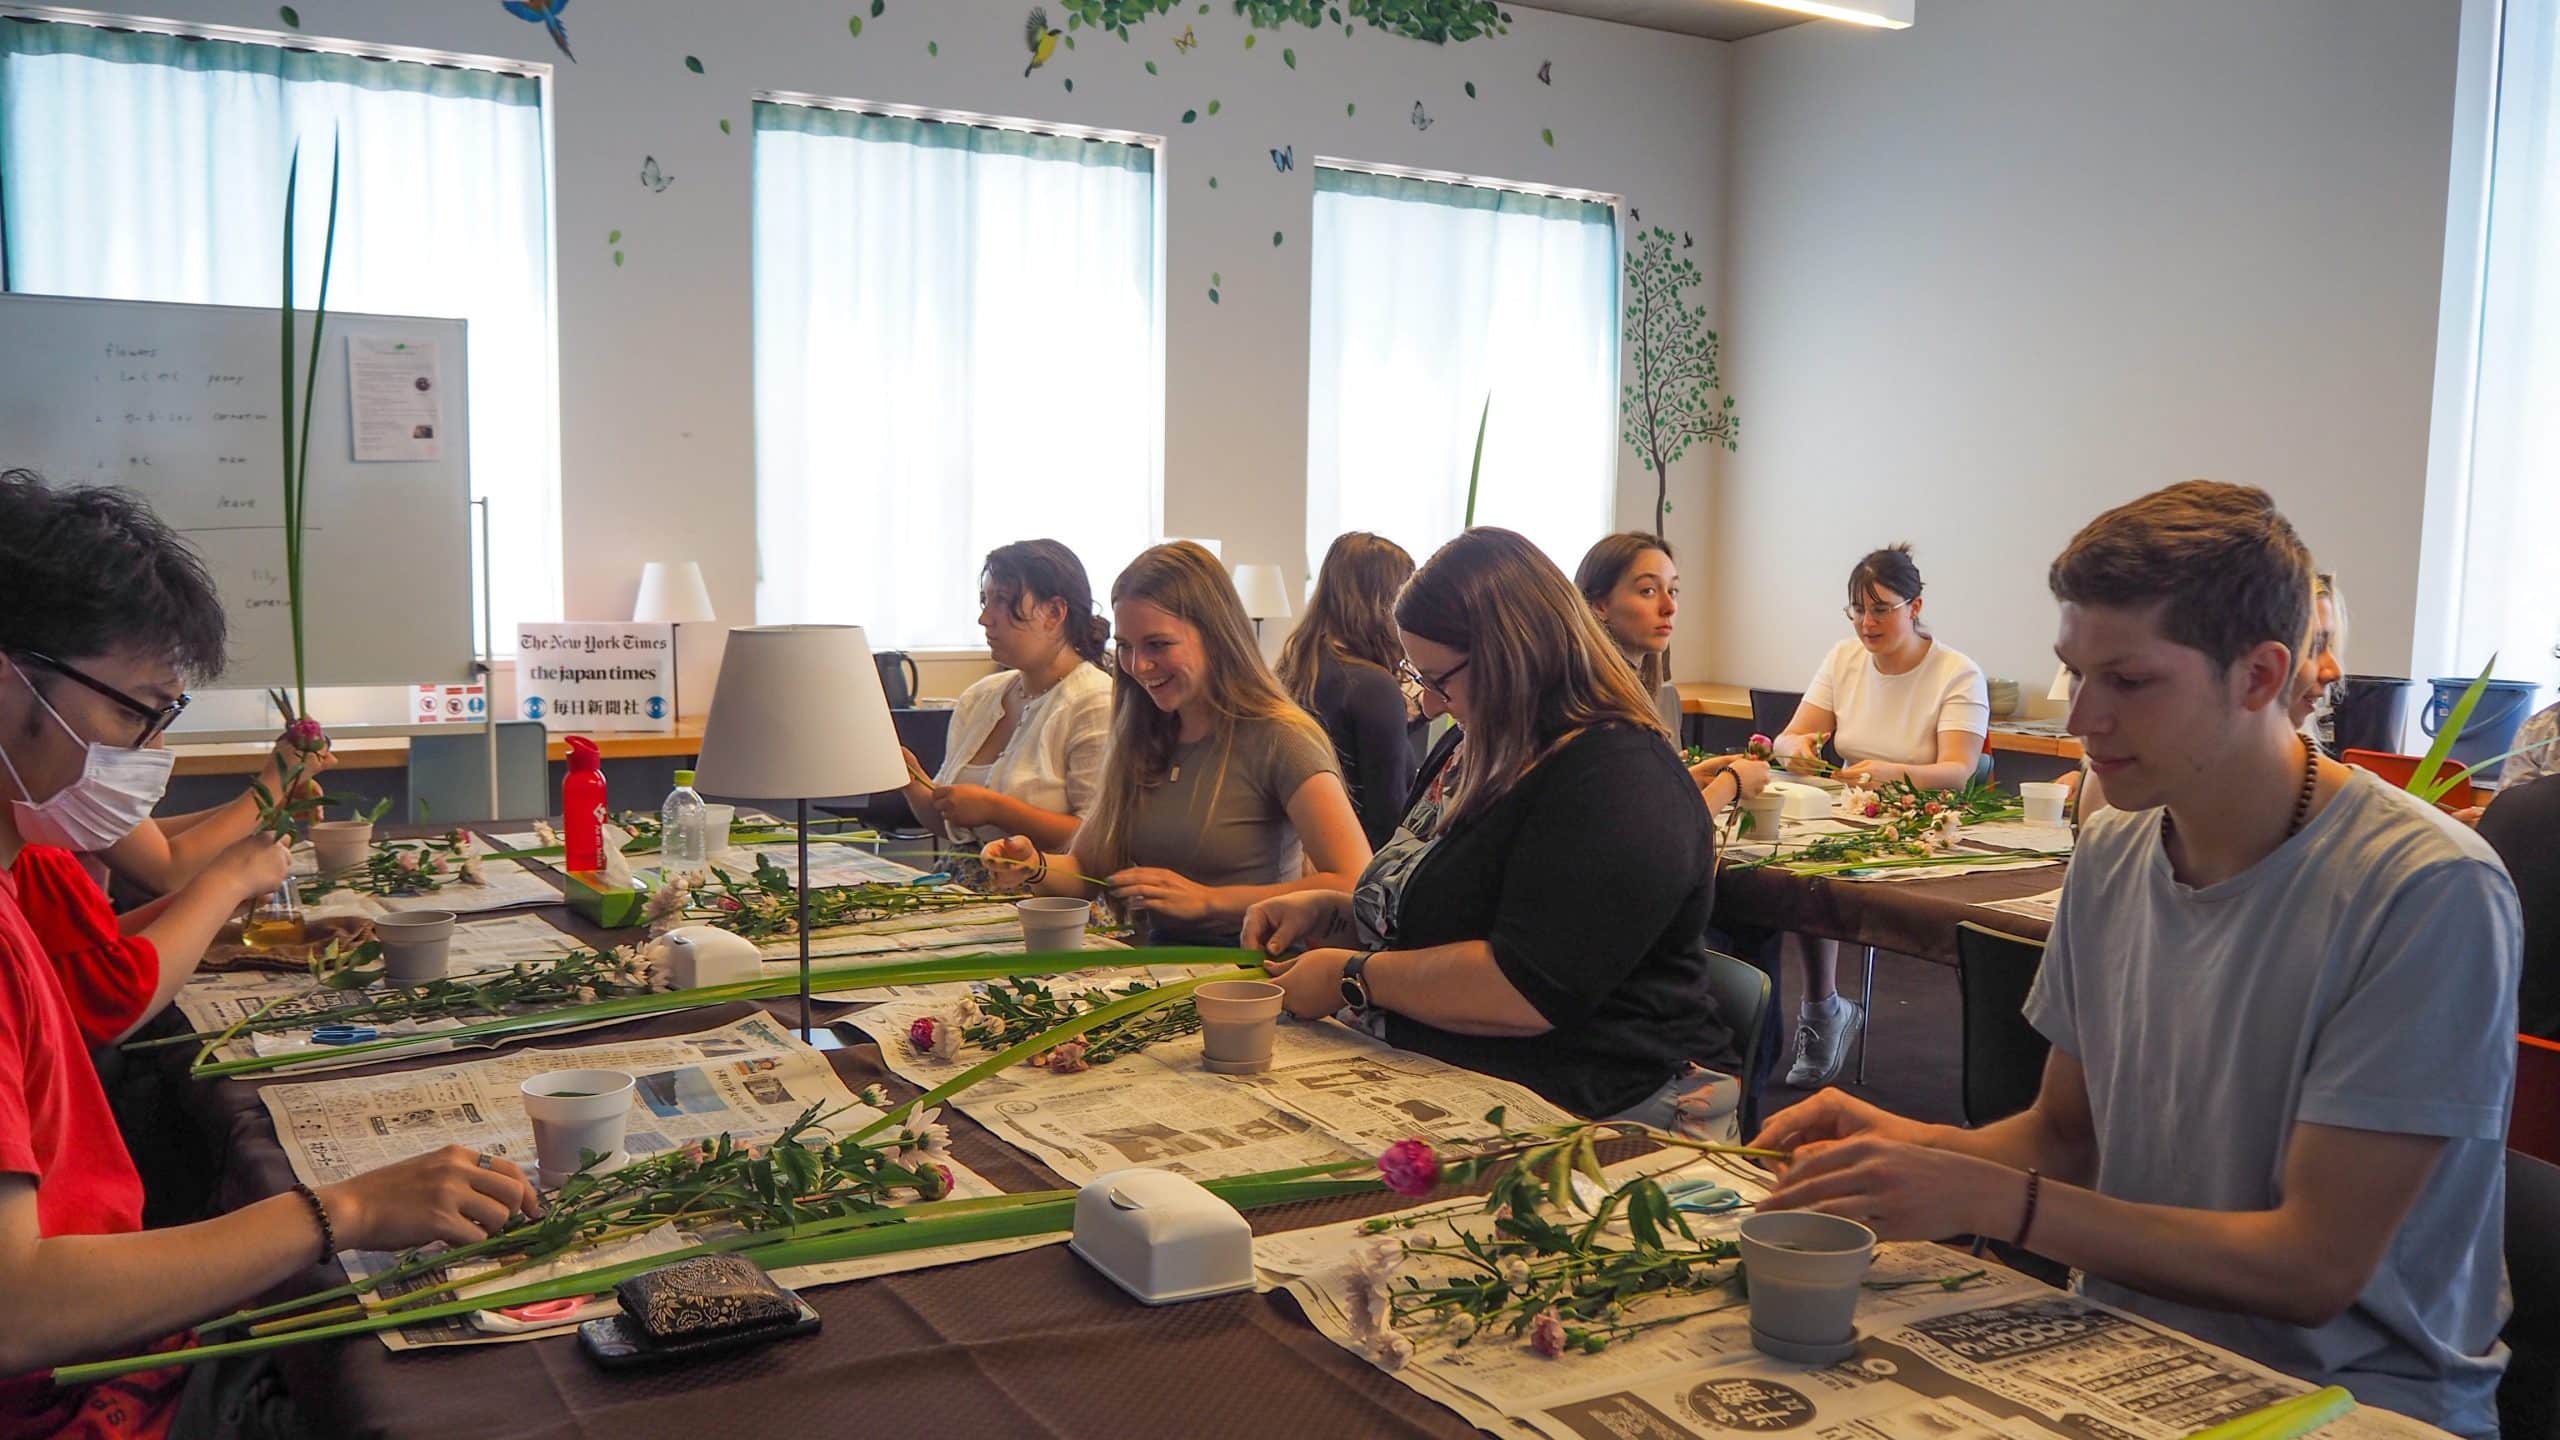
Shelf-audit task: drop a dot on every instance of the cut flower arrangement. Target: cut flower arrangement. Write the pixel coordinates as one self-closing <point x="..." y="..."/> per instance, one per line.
<point x="1906" y="828"/>
<point x="765" y="905"/>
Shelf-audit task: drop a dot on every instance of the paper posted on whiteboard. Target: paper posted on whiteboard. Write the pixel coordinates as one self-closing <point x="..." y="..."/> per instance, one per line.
<point x="398" y="398"/>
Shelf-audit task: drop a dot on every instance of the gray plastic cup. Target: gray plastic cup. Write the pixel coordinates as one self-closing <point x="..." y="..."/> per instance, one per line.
<point x="1766" y="810"/>
<point x="1239" y="1025"/>
<point x="576" y="1113"/>
<point x="1052" y="922"/>
<point x="416" y="944"/>
<point x="1805" y="1269"/>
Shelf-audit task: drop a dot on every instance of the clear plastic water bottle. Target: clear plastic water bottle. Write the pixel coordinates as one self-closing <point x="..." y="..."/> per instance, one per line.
<point x="684" y="828"/>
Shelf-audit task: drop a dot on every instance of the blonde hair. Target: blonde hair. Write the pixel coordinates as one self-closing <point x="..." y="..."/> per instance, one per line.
<point x="1603" y="566"/>
<point x="1540" y="668"/>
<point x="1352" y="615"/>
<point x="1186" y="582"/>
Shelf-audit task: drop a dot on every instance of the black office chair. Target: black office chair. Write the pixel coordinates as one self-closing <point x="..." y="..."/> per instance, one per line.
<point x="1772" y="709"/>
<point x="1742" y="995"/>
<point x="2529" y="1396"/>
<point x="2003" y="1055"/>
<point x="2523" y="826"/>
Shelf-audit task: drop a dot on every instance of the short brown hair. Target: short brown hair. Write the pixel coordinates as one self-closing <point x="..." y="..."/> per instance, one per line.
<point x="2220" y="560"/>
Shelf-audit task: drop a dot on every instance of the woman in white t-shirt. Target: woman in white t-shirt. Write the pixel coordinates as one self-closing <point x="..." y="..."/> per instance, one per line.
<point x="1027" y="743"/>
<point x="1898" y="706"/>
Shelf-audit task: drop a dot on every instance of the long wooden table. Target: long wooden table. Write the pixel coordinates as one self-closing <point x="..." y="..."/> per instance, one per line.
<point x="1733" y="702"/>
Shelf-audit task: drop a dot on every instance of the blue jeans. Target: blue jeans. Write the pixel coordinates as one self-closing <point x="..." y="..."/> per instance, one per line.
<point x="1699" y="1103"/>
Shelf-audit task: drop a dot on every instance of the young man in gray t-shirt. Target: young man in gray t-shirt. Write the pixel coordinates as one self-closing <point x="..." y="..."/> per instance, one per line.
<point x="2281" y="998"/>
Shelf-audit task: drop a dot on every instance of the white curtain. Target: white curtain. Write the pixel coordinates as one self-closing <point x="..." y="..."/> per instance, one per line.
<point x="1427" y="298"/>
<point x="2508" y="596"/>
<point x="146" y="167"/>
<point x="956" y="347"/>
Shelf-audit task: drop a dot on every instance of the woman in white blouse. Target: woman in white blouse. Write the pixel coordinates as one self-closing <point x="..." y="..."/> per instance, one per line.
<point x="1898" y="706"/>
<point x="1027" y="743"/>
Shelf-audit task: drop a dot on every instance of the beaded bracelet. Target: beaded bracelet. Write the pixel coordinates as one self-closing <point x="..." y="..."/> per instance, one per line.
<point x="2026" y="1222"/>
<point x="319" y="1212"/>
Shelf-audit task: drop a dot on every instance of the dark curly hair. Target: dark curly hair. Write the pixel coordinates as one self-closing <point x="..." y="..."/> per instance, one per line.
<point x="85" y="570"/>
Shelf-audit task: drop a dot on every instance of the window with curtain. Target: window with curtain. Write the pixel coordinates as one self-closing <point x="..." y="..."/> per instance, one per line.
<point x="2506" y="581"/>
<point x="150" y="167"/>
<point x="1429" y="296"/>
<point x="956" y="347"/>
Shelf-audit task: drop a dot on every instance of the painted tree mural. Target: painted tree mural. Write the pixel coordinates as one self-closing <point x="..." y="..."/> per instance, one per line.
<point x="1673" y="401"/>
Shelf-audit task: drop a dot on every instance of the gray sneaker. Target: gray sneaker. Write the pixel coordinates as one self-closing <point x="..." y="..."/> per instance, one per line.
<point x="1822" y="1042"/>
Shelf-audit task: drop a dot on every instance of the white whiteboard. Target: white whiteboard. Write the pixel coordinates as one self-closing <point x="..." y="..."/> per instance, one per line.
<point x="179" y="403"/>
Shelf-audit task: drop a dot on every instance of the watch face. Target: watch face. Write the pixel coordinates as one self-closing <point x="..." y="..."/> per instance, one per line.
<point x="1354" y="993"/>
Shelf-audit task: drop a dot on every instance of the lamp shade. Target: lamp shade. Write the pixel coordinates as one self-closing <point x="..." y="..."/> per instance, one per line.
<point x="1264" y="594"/>
<point x="672" y="592"/>
<point x="798" y="715"/>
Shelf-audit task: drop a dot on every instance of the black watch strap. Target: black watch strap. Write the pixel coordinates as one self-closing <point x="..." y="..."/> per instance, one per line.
<point x="1355" y="984"/>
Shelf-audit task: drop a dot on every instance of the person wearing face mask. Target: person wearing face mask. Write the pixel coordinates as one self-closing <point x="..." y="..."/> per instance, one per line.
<point x="103" y="614"/>
<point x="97" y="636"/>
<point x="1026" y="742"/>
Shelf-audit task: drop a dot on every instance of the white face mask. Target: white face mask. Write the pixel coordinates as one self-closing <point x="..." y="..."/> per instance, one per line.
<point x="117" y="790"/>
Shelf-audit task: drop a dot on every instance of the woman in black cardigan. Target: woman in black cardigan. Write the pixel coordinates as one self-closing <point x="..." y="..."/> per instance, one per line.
<point x="1548" y="928"/>
<point x="1340" y="665"/>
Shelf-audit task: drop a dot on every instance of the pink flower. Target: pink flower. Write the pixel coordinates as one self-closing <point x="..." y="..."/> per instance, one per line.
<point x="1873" y="810"/>
<point x="1546" y="1334"/>
<point x="408" y="859"/>
<point x="1410" y="1168"/>
<point x="306" y="736"/>
<point x="1068" y="1058"/>
<point x="934" y="1182"/>
<point x="1933" y="808"/>
<point x="729" y="903"/>
<point x="920" y="1034"/>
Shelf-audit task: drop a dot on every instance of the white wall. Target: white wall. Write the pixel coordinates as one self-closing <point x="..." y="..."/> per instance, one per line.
<point x="1992" y="274"/>
<point x="657" y="431"/>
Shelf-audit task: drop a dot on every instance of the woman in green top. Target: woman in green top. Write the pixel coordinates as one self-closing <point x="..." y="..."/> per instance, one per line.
<point x="1218" y="791"/>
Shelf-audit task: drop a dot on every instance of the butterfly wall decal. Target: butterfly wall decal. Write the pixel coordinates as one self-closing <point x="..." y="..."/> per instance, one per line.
<point x="655" y="179"/>
<point x="1421" y="120"/>
<point x="1285" y="159"/>
<point x="545" y="13"/>
<point x="1546" y="72"/>
<point x="1634" y="215"/>
<point x="1185" y="41"/>
<point x="1686" y="243"/>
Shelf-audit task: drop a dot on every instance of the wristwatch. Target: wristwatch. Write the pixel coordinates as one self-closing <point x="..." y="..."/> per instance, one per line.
<point x="1355" y="989"/>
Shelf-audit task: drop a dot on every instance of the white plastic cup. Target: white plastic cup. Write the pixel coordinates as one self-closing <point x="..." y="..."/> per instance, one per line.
<point x="1239" y="1025"/>
<point x="716" y="820"/>
<point x="2044" y="801"/>
<point x="338" y="846"/>
<point x="1766" y="810"/>
<point x="576" y="1113"/>
<point x="1805" y="1269"/>
<point x="1052" y="922"/>
<point x="416" y="944"/>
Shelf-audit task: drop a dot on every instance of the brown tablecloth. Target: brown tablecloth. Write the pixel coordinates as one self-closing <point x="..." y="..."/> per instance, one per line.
<point x="1910" y="917"/>
<point x="1034" y="1344"/>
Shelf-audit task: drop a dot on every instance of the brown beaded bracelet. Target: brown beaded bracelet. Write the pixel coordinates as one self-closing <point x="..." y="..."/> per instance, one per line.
<point x="320" y="1212"/>
<point x="2026" y="1222"/>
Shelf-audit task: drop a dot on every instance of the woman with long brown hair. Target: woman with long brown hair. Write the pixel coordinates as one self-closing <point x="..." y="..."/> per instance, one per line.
<point x="1479" y="945"/>
<point x="1340" y="663"/>
<point x="1216" y="780"/>
<point x="1632" y="583"/>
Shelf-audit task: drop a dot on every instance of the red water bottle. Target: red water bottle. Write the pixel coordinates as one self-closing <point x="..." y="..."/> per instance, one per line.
<point x="582" y="806"/>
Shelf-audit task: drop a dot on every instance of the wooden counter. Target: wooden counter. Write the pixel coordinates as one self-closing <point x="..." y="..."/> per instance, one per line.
<point x="1733" y="702"/>
<point x="391" y="752"/>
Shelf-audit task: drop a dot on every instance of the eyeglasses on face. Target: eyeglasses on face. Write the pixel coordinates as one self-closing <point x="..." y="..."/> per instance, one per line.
<point x="153" y="718"/>
<point x="1436" y="684"/>
<point x="1857" y="613"/>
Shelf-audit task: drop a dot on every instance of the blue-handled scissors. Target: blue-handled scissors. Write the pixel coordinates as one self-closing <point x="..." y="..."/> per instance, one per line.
<point x="1703" y="1196"/>
<point x="938" y="877"/>
<point x="344" y="1034"/>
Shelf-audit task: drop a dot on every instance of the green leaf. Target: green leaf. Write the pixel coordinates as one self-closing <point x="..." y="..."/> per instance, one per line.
<point x="614" y="239"/>
<point x="617" y="259"/>
<point x="724" y="126"/>
<point x="290" y="16"/>
<point x="877" y="6"/>
<point x="2424" y="783"/>
<point x="1190" y="115"/>
<point x="1214" y="280"/>
<point x="1248" y="40"/>
<point x="855" y="25"/>
<point x="1071" y="85"/>
<point x="1351" y="108"/>
<point x="1549" y="136"/>
<point x="933" y="48"/>
<point x="1213" y="182"/>
<point x="1275" y="239"/>
<point x="1213" y="107"/>
<point x="1289" y="58"/>
<point x="1213" y="296"/>
<point x="1471" y="89"/>
<point x="693" y="63"/>
<point x="1475" y="472"/>
<point x="1151" y="68"/>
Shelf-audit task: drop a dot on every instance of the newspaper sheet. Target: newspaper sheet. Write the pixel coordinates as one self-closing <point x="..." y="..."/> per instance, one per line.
<point x="1330" y="1094"/>
<point x="2039" y="907"/>
<point x="506" y="885"/>
<point x="749" y="1079"/>
<point x="2001" y="1357"/>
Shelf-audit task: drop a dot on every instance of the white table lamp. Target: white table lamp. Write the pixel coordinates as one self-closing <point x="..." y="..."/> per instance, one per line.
<point x="799" y="714"/>
<point x="672" y="593"/>
<point x="1265" y="595"/>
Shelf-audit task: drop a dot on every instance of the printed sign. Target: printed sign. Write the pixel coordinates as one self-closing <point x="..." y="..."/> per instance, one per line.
<point x="599" y="675"/>
<point x="448" y="704"/>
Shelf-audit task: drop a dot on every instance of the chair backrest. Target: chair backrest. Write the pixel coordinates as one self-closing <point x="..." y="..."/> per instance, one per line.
<point x="449" y="775"/>
<point x="2003" y="1054"/>
<point x="2533" y="1116"/>
<point x="1741" y="992"/>
<point x="2400" y="769"/>
<point x="1772" y="709"/>
<point x="2527" y="1394"/>
<point x="2523" y="826"/>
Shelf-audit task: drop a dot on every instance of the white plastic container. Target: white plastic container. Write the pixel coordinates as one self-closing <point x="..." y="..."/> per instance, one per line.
<point x="2044" y="801"/>
<point x="1162" y="1237"/>
<point x="575" y="1113"/>
<point x="697" y="956"/>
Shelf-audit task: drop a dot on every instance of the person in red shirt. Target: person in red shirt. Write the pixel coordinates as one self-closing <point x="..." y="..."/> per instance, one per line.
<point x="96" y="636"/>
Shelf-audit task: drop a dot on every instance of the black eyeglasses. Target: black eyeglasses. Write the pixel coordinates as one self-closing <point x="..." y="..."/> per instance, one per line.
<point x="154" y="718"/>
<point x="1436" y="684"/>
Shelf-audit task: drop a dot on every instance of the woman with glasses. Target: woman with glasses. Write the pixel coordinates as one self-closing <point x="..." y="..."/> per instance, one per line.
<point x="1218" y="790"/>
<point x="104" y="615"/>
<point x="1479" y="942"/>
<point x="1898" y="706"/>
<point x="1340" y="663"/>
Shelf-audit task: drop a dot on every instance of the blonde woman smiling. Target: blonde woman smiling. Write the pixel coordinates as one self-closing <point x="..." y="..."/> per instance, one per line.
<point x="1216" y="780"/>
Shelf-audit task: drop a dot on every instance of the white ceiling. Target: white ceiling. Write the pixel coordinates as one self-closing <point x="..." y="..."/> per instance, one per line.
<point x="1715" y="19"/>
